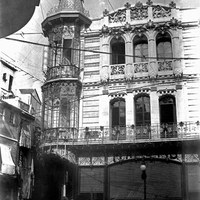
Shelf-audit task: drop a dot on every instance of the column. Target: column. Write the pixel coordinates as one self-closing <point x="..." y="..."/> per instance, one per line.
<point x="155" y="117"/>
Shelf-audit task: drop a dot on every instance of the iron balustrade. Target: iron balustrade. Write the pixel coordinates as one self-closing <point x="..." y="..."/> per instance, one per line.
<point x="63" y="71"/>
<point x="103" y="135"/>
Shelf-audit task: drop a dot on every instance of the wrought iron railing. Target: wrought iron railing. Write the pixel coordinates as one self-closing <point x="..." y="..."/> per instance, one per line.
<point x="63" y="71"/>
<point x="104" y="135"/>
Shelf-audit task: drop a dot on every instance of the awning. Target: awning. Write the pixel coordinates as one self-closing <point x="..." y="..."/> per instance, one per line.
<point x="7" y="165"/>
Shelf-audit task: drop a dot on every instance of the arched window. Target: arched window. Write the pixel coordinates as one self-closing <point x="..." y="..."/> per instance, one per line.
<point x="164" y="46"/>
<point x="117" y="51"/>
<point x="140" y="48"/>
<point x="142" y="110"/>
<point x="168" y="116"/>
<point x="118" y="118"/>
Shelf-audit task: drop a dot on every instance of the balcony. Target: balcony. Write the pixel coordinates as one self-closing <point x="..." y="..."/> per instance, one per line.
<point x="120" y="134"/>
<point x="150" y="69"/>
<point x="63" y="71"/>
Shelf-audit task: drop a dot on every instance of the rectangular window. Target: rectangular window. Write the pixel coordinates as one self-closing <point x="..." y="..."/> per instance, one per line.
<point x="11" y="118"/>
<point x="67" y="51"/>
<point x="10" y="83"/>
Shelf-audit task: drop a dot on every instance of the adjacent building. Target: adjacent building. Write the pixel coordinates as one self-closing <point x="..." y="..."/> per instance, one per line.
<point x="19" y="123"/>
<point x="121" y="114"/>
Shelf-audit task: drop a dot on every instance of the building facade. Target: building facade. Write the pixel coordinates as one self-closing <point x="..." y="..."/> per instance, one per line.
<point x="120" y="95"/>
<point x="18" y="125"/>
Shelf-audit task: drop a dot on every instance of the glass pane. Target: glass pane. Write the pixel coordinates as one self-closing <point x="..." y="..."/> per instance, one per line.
<point x="142" y="107"/>
<point x="164" y="50"/>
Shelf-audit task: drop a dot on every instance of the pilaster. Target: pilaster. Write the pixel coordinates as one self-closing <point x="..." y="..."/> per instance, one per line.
<point x="153" y="67"/>
<point x="104" y="107"/>
<point x="154" y="109"/>
<point x="129" y="109"/>
<point x="180" y="107"/>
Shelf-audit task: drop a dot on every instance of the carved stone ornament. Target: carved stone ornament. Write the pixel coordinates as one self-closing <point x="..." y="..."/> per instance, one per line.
<point x="178" y="71"/>
<point x="174" y="23"/>
<point x="138" y="4"/>
<point x="57" y="33"/>
<point x="127" y="5"/>
<point x="68" y="32"/>
<point x="172" y="4"/>
<point x="116" y="32"/>
<point x="60" y="32"/>
<point x="67" y="90"/>
<point x="104" y="74"/>
<point x="150" y="24"/>
<point x="139" y="30"/>
<point x="139" y="12"/>
<point x="149" y="2"/>
<point x="129" y="72"/>
<point x="153" y="70"/>
<point x="104" y="29"/>
<point x="127" y="27"/>
<point x="105" y="13"/>
<point x="118" y="16"/>
<point x="163" y="28"/>
<point x="161" y="12"/>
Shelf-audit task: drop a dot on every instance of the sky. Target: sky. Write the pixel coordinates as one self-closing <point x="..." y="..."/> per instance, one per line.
<point x="30" y="57"/>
